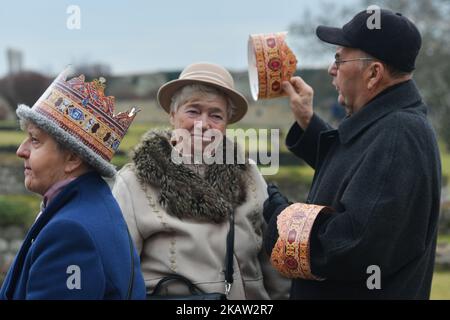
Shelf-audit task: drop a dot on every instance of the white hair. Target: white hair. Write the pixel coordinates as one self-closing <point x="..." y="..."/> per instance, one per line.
<point x="187" y="92"/>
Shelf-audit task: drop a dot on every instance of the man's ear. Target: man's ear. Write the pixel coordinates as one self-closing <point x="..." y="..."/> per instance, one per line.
<point x="73" y="162"/>
<point x="376" y="72"/>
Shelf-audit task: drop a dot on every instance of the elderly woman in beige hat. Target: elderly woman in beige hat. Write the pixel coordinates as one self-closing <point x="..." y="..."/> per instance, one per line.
<point x="198" y="222"/>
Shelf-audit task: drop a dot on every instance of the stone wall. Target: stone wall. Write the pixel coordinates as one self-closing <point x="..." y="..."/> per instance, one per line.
<point x="11" y="178"/>
<point x="11" y="239"/>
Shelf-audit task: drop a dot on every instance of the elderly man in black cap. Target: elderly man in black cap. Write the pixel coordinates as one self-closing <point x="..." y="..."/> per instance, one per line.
<point x="369" y="225"/>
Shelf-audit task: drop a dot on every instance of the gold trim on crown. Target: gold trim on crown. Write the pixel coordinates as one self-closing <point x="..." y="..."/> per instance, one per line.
<point x="83" y="109"/>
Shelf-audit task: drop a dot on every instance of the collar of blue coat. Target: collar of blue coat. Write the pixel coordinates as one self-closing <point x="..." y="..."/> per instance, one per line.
<point x="397" y="97"/>
<point x="66" y="192"/>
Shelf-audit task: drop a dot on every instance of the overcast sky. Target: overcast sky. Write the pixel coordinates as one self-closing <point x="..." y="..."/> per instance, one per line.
<point x="141" y="36"/>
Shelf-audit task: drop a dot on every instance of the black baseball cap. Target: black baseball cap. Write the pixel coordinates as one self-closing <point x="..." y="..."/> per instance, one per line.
<point x="397" y="42"/>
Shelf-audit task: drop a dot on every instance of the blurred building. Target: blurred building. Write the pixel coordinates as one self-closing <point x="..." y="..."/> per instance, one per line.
<point x="15" y="61"/>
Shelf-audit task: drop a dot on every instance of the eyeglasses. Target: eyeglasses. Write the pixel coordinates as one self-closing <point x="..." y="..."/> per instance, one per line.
<point x="339" y="62"/>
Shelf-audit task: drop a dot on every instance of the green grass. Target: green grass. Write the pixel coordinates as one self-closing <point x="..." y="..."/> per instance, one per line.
<point x="135" y="133"/>
<point x="18" y="209"/>
<point x="10" y="159"/>
<point x="440" y="289"/>
<point x="11" y="138"/>
<point x="120" y="160"/>
<point x="444" y="238"/>
<point x="445" y="158"/>
<point x="9" y="124"/>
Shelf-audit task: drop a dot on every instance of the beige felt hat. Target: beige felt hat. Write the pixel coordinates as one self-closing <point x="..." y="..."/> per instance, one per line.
<point x="207" y="74"/>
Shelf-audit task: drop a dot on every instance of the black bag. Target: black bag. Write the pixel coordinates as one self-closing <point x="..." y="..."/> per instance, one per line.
<point x="195" y="292"/>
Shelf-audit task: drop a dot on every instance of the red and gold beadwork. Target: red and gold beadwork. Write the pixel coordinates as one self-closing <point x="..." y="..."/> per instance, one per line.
<point x="291" y="253"/>
<point x="271" y="62"/>
<point x="82" y="109"/>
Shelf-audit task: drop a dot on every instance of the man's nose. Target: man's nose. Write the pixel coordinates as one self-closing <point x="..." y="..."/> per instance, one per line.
<point x="332" y="69"/>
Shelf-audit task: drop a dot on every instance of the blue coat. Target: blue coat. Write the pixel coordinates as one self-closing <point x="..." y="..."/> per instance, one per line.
<point x="78" y="249"/>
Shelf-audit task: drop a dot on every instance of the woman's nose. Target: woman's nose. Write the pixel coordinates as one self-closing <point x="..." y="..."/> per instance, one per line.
<point x="23" y="151"/>
<point x="205" y="121"/>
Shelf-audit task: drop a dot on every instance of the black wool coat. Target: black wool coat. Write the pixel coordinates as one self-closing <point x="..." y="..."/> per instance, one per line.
<point x="380" y="171"/>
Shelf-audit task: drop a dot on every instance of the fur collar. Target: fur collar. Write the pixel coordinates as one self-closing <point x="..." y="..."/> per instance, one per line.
<point x="184" y="193"/>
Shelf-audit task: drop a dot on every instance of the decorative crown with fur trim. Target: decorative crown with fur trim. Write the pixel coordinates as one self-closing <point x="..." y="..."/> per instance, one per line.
<point x="78" y="114"/>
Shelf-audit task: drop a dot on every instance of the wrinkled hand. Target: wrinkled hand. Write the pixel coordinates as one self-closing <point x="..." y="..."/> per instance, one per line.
<point x="275" y="203"/>
<point x="301" y="100"/>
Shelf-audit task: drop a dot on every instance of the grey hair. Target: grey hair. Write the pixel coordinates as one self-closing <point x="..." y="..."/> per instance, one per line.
<point x="188" y="91"/>
<point x="366" y="63"/>
<point x="393" y="71"/>
<point x="59" y="144"/>
<point x="64" y="138"/>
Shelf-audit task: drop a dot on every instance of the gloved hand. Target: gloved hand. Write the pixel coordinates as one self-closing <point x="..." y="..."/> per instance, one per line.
<point x="275" y="203"/>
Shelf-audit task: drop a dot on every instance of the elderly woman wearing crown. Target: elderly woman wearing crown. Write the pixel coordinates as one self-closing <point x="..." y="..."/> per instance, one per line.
<point x="79" y="246"/>
<point x="196" y="222"/>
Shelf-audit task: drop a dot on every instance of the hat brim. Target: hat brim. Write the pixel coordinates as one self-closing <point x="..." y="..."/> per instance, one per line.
<point x="102" y="166"/>
<point x="333" y="36"/>
<point x="166" y="92"/>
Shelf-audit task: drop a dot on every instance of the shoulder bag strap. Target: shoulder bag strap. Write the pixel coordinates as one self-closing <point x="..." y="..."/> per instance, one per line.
<point x="229" y="271"/>
<point x="131" y="282"/>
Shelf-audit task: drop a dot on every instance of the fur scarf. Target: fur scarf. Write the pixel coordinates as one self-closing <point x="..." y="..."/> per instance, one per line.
<point x="184" y="193"/>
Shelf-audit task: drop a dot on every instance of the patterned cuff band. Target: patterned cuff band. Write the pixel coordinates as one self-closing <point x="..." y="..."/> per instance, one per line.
<point x="291" y="253"/>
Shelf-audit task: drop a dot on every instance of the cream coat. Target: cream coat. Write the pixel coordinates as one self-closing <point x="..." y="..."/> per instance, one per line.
<point x="196" y="249"/>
